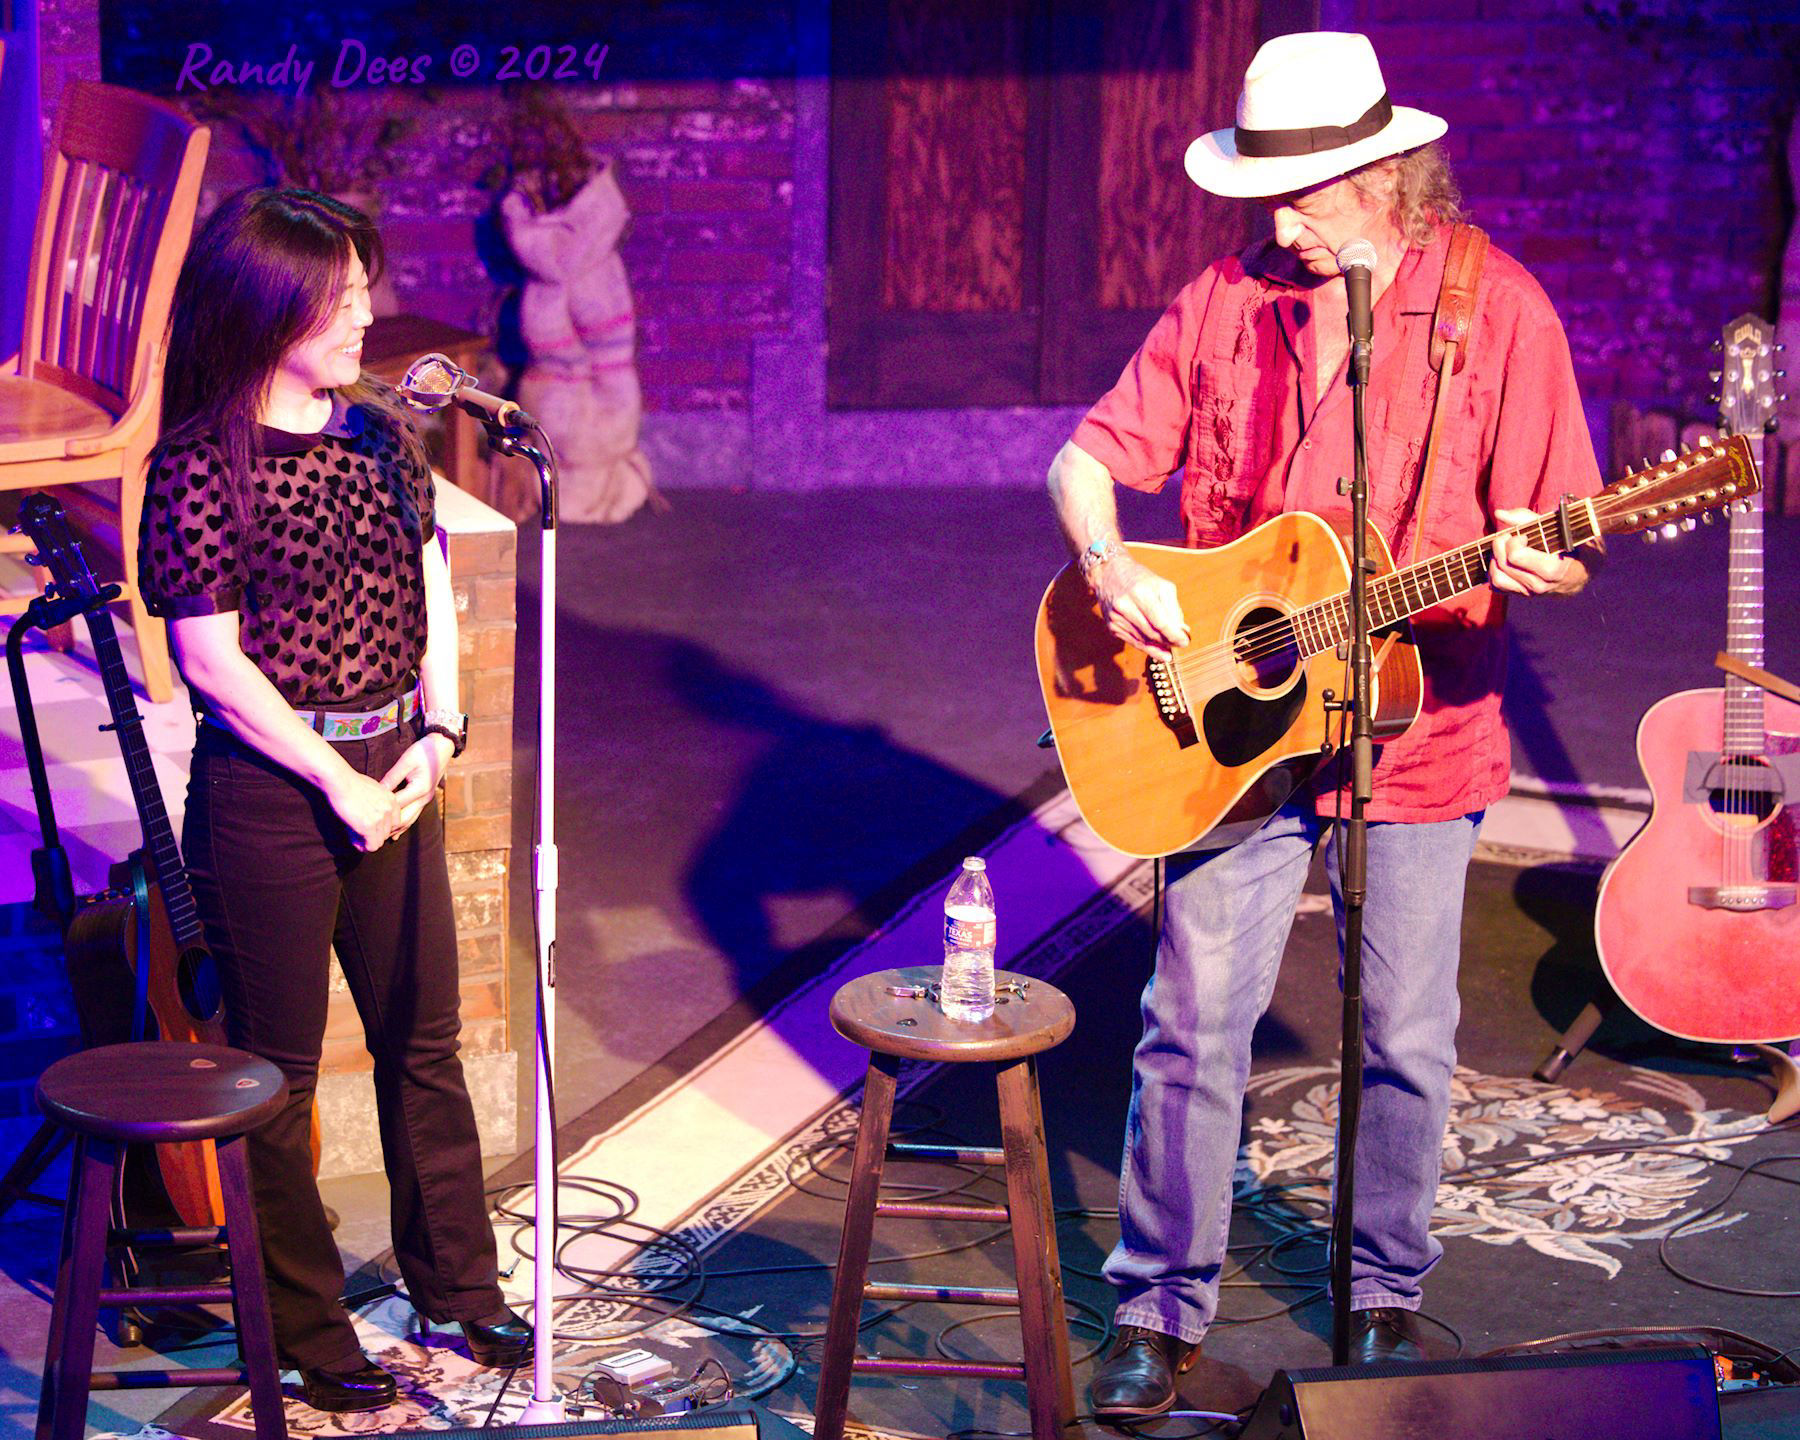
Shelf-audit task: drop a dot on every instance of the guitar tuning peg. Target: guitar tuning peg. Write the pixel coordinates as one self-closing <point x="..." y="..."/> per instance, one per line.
<point x="1689" y="523"/>
<point x="1713" y="398"/>
<point x="1671" y="530"/>
<point x="1686" y="449"/>
<point x="1706" y="517"/>
<point x="1650" y="537"/>
<point x="1666" y="457"/>
<point x="1715" y="376"/>
<point x="1644" y="464"/>
<point x="1718" y="344"/>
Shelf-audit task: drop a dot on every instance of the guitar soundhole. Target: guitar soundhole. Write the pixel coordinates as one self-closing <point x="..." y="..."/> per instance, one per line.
<point x="197" y="980"/>
<point x="1264" y="646"/>
<point x="1241" y="724"/>
<point x="1744" y="792"/>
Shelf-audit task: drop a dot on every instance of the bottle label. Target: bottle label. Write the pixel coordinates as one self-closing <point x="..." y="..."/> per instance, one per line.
<point x="968" y="934"/>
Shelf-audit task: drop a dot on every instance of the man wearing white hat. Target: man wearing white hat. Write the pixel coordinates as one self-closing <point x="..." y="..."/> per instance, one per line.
<point x="1240" y="388"/>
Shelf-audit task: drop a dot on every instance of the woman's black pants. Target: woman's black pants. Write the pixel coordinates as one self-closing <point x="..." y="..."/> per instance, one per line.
<point x="278" y="884"/>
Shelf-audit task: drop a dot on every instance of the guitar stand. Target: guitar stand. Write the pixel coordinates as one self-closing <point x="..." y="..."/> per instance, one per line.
<point x="54" y="893"/>
<point x="1783" y="1065"/>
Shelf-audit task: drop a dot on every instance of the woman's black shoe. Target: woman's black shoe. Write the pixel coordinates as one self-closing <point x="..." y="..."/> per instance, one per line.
<point x="336" y="1389"/>
<point x="500" y="1342"/>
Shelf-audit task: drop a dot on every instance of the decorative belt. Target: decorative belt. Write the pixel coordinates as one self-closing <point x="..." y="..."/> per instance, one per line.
<point x="355" y="724"/>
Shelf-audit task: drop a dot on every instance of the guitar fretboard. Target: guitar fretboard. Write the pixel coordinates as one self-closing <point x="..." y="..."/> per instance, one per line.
<point x="1402" y="593"/>
<point x="159" y="835"/>
<point x="1744" y="731"/>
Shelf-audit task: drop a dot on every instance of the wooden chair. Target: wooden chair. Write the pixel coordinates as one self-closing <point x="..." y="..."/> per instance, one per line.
<point x="113" y="225"/>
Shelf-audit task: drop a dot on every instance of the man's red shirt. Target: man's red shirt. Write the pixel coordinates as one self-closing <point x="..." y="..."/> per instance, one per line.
<point x="1221" y="391"/>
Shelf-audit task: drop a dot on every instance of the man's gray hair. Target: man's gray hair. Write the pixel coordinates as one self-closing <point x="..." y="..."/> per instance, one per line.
<point x="1422" y="193"/>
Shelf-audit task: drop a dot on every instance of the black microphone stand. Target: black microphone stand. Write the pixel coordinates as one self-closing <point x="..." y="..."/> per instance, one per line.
<point x="1353" y="863"/>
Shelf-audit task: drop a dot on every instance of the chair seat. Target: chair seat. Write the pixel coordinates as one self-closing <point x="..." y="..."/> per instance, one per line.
<point x="865" y="1013"/>
<point x="158" y="1091"/>
<point x="38" y="419"/>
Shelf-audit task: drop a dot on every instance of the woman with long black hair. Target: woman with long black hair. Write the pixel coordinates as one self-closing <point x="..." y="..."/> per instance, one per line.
<point x="289" y="537"/>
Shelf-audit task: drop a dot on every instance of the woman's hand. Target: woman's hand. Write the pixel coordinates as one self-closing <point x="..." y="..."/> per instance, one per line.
<point x="413" y="778"/>
<point x="370" y="810"/>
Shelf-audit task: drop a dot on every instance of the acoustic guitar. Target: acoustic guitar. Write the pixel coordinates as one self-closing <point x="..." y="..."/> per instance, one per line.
<point x="1198" y="751"/>
<point x="1697" y="924"/>
<point x="102" y="943"/>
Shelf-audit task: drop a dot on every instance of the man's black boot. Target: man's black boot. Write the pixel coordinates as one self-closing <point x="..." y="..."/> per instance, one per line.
<point x="1388" y="1333"/>
<point x="1138" y="1377"/>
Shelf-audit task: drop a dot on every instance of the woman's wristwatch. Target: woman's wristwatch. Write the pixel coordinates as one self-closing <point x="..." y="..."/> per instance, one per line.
<point x="453" y="725"/>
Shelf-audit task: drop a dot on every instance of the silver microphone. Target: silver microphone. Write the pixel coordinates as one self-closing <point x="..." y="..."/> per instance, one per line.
<point x="1356" y="262"/>
<point x="434" y="381"/>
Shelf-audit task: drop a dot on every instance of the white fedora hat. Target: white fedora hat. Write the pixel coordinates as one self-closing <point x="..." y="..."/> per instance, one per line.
<point x="1314" y="107"/>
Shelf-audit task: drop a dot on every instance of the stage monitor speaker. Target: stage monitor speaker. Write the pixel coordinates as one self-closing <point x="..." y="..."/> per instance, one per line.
<point x="1667" y="1393"/>
<point x="735" y="1421"/>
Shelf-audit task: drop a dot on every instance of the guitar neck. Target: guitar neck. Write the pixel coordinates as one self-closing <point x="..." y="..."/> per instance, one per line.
<point x="1744" y="732"/>
<point x="146" y="792"/>
<point x="1403" y="593"/>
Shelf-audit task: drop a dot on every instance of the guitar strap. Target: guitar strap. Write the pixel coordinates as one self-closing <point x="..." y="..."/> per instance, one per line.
<point x="1450" y="328"/>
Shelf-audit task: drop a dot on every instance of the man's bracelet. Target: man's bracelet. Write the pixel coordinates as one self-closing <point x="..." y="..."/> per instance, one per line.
<point x="1095" y="555"/>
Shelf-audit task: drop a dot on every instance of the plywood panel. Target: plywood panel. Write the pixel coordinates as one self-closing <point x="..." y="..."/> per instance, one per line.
<point x="955" y="203"/>
<point x="1171" y="70"/>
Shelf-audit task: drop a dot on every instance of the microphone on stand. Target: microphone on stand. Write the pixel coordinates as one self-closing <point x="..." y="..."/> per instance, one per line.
<point x="434" y="381"/>
<point x="1356" y="263"/>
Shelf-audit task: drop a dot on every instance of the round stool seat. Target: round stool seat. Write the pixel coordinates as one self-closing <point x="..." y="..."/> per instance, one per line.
<point x="867" y="1013"/>
<point x="158" y="1091"/>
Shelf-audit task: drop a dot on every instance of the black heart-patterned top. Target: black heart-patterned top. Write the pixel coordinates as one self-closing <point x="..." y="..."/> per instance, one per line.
<point x="327" y="577"/>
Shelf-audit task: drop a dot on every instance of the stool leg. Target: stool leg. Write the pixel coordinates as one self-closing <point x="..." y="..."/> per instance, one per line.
<point x="1049" y="1385"/>
<point x="69" y="1356"/>
<point x="250" y="1291"/>
<point x="853" y="1251"/>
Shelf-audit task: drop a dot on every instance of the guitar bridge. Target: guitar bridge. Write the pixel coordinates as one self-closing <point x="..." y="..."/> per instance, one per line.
<point x="1741" y="898"/>
<point x="1171" y="698"/>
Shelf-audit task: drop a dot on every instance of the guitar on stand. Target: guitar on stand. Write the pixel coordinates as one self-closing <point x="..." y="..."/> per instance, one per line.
<point x="136" y="954"/>
<point x="1697" y="925"/>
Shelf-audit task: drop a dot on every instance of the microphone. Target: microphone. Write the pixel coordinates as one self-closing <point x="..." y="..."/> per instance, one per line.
<point x="434" y="381"/>
<point x="1356" y="262"/>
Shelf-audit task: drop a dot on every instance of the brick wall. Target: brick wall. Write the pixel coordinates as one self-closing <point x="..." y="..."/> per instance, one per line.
<point x="706" y="165"/>
<point x="477" y="800"/>
<point x="1629" y="152"/>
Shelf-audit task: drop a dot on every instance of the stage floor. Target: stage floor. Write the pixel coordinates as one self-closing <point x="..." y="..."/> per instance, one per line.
<point x="775" y="707"/>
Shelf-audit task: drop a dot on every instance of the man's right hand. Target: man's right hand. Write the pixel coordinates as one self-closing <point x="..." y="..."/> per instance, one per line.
<point x="369" y="810"/>
<point x="1140" y="606"/>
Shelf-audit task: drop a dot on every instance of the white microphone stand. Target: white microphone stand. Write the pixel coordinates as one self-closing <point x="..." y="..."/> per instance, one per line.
<point x="431" y="383"/>
<point x="546" y="1405"/>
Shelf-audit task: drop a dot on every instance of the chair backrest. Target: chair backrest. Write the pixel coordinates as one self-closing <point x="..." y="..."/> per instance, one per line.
<point x="113" y="225"/>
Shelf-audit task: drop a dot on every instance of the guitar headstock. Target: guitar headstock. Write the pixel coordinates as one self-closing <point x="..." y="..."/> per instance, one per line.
<point x="42" y="521"/>
<point x="1747" y="388"/>
<point x="1671" y="496"/>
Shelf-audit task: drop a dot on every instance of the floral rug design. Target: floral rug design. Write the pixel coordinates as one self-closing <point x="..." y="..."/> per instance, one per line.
<point x="1578" y="1175"/>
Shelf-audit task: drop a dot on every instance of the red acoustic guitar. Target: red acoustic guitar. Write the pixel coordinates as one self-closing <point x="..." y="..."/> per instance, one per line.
<point x="1697" y="925"/>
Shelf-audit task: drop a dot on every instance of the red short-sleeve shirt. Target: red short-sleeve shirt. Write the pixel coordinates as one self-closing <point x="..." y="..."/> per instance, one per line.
<point x="1220" y="391"/>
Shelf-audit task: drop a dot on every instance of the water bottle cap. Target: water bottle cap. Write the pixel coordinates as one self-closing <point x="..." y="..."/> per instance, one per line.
<point x="974" y="862"/>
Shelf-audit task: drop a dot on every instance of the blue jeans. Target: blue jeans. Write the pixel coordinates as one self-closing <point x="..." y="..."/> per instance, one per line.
<point x="1228" y="915"/>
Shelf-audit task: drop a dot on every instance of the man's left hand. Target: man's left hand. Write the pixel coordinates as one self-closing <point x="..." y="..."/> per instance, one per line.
<point x="1521" y="570"/>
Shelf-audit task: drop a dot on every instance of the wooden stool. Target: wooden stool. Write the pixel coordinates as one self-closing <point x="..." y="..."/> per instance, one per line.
<point x="155" y="1092"/>
<point x="895" y="1028"/>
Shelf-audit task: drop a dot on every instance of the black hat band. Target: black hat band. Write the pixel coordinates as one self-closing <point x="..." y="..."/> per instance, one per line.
<point x="1266" y="144"/>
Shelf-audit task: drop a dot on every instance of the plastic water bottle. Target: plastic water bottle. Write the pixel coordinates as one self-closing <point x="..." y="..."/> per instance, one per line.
<point x="967" y="989"/>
